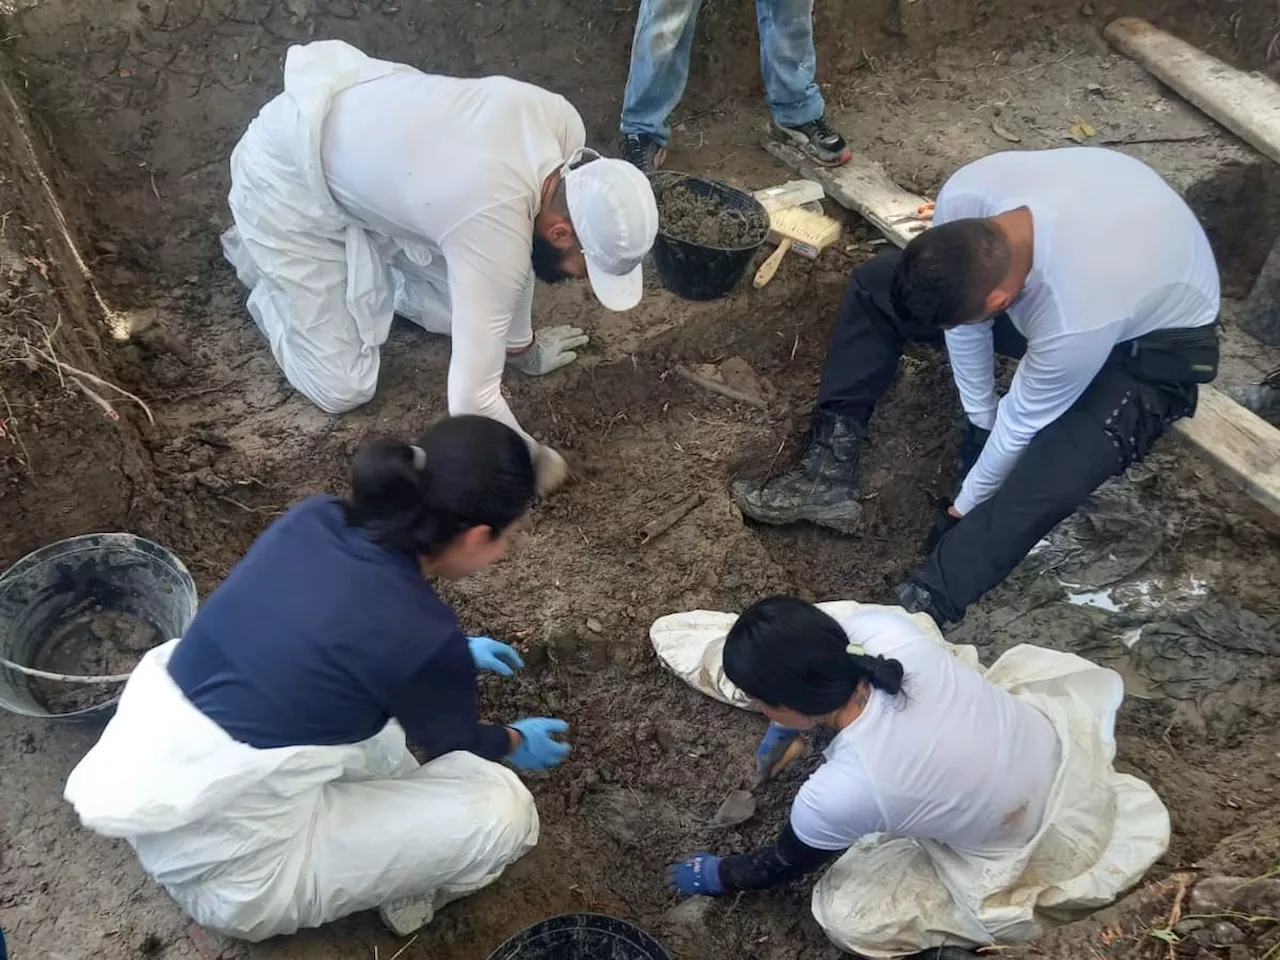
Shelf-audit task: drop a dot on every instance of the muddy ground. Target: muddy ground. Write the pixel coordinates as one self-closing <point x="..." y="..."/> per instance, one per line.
<point x="142" y="101"/>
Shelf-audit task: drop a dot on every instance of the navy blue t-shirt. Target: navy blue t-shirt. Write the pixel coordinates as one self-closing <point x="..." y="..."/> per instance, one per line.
<point x="319" y="636"/>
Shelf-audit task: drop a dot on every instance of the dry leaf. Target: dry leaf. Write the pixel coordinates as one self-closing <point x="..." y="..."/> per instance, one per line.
<point x="1003" y="133"/>
<point x="1082" y="129"/>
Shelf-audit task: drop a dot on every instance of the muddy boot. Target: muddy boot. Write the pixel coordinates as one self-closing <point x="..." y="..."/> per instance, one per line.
<point x="823" y="489"/>
<point x="915" y="597"/>
<point x="1262" y="398"/>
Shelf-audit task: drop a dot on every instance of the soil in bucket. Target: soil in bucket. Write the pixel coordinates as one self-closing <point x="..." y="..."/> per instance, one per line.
<point x="93" y="643"/>
<point x="706" y="220"/>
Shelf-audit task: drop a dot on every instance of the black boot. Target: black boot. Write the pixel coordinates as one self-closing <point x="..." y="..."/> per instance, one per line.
<point x="914" y="598"/>
<point x="823" y="489"/>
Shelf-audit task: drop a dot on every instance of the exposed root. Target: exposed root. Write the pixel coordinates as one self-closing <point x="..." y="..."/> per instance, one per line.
<point x="9" y="431"/>
<point x="719" y="388"/>
<point x="64" y="367"/>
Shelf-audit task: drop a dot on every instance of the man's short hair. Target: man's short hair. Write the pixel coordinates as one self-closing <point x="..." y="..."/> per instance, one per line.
<point x="947" y="273"/>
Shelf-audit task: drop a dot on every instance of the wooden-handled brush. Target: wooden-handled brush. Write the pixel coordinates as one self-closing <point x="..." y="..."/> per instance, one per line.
<point x="805" y="232"/>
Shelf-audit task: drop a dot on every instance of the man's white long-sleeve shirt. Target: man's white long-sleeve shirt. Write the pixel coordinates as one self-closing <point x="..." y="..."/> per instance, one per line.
<point x="454" y="168"/>
<point x="1118" y="254"/>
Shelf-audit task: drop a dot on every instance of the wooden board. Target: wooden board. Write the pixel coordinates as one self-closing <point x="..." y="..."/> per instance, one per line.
<point x="1238" y="442"/>
<point x="1247" y="104"/>
<point x="862" y="186"/>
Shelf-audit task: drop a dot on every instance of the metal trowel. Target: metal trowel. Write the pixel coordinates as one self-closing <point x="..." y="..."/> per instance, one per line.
<point x="739" y="806"/>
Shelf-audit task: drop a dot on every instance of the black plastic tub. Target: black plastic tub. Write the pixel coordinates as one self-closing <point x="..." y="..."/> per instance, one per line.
<point x="581" y="936"/>
<point x="696" y="271"/>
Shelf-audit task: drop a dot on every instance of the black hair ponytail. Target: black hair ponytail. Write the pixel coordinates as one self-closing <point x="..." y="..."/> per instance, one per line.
<point x="463" y="472"/>
<point x="788" y="653"/>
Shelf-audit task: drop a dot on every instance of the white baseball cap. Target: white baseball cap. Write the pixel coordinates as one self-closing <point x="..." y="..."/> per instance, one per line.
<point x="615" y="216"/>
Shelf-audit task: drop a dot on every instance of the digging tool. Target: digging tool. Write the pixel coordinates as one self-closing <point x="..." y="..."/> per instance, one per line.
<point x="739" y="806"/>
<point x="805" y="232"/>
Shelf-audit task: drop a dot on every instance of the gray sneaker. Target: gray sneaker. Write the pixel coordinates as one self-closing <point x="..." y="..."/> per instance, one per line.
<point x="822" y="489"/>
<point x="816" y="138"/>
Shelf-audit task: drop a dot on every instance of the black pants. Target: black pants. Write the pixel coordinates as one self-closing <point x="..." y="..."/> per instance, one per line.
<point x="1110" y="427"/>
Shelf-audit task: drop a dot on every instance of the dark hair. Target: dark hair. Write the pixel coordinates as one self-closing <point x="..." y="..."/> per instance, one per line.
<point x="947" y="273"/>
<point x="474" y="472"/>
<point x="547" y="261"/>
<point x="788" y="653"/>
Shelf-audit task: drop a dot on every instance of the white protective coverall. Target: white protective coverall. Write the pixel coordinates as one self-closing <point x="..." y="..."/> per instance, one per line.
<point x="893" y="896"/>
<point x="254" y="843"/>
<point x="369" y="188"/>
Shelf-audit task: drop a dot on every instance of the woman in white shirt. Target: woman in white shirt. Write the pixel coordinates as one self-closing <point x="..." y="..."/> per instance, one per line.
<point x="958" y="805"/>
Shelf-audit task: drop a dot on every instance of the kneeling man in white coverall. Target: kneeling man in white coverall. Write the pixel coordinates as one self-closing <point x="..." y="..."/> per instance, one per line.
<point x="369" y="188"/>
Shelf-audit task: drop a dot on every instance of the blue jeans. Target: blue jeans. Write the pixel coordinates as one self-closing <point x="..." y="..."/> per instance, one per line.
<point x="660" y="63"/>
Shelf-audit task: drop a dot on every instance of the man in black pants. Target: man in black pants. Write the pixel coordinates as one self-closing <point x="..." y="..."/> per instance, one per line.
<point x="1080" y="262"/>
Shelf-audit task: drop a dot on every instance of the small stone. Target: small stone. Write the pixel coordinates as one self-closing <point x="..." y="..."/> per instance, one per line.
<point x="664" y="738"/>
<point x="1087" y="10"/>
<point x="1227" y="933"/>
<point x="595" y="626"/>
<point x="687" y="917"/>
<point x="1185" y="927"/>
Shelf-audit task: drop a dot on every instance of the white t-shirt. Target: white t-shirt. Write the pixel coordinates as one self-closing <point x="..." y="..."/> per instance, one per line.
<point x="1118" y="254"/>
<point x="456" y="166"/>
<point x="956" y="759"/>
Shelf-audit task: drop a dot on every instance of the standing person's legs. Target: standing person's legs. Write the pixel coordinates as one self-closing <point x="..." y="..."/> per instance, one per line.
<point x="788" y="62"/>
<point x="659" y="67"/>
<point x="1110" y="427"/>
<point x="862" y="357"/>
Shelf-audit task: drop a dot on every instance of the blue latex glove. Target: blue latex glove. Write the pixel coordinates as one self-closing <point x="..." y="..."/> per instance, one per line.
<point x="538" y="750"/>
<point x="697" y="875"/>
<point x="494" y="656"/>
<point x="770" y="750"/>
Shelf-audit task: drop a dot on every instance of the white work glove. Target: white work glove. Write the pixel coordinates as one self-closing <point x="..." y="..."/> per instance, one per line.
<point x="550" y="470"/>
<point x="552" y="349"/>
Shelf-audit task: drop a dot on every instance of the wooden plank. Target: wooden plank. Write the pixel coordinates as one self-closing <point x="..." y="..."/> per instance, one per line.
<point x="862" y="186"/>
<point x="1238" y="442"/>
<point x="1247" y="104"/>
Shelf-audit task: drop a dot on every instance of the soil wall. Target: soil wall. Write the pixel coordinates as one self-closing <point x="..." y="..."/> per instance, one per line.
<point x="65" y="467"/>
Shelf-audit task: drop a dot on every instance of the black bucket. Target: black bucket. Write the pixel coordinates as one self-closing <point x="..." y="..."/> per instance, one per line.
<point x="696" y="271"/>
<point x="581" y="936"/>
<point x="51" y="601"/>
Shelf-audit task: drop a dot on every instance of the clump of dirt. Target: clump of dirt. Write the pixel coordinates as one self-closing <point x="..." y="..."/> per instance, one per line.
<point x="101" y="645"/>
<point x="705" y="219"/>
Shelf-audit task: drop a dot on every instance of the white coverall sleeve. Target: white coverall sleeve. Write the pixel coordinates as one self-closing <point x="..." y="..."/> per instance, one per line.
<point x="1051" y="377"/>
<point x="971" y="349"/>
<point x="491" y="286"/>
<point x="969" y="346"/>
